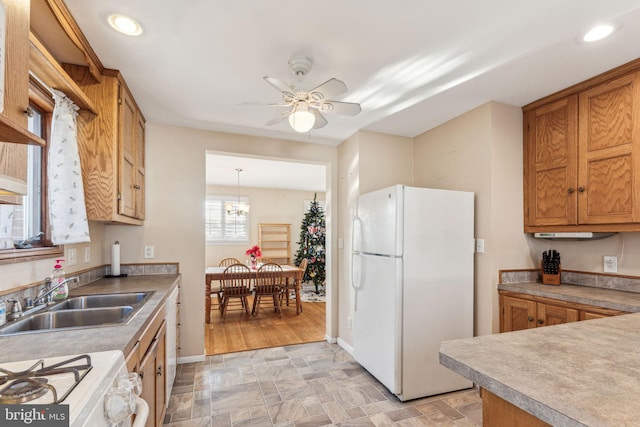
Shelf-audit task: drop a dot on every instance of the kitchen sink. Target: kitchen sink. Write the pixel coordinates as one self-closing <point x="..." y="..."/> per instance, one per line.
<point x="81" y="312"/>
<point x="69" y="319"/>
<point x="98" y="301"/>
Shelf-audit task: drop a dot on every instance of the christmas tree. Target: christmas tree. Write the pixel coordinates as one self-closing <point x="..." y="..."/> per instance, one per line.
<point x="312" y="234"/>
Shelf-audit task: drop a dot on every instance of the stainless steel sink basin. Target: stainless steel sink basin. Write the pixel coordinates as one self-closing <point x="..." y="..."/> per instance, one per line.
<point x="97" y="301"/>
<point x="81" y="312"/>
<point x="69" y="319"/>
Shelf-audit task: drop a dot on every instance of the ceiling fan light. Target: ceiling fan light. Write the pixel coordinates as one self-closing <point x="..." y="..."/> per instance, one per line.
<point x="302" y="120"/>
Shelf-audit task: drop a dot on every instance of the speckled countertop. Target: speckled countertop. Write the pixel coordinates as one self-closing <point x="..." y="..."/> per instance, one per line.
<point x="600" y="297"/>
<point x="576" y="374"/>
<point x="117" y="337"/>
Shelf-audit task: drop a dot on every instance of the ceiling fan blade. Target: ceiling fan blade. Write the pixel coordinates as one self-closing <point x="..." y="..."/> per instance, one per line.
<point x="262" y="104"/>
<point x="277" y="119"/>
<point x="337" y="107"/>
<point x="327" y="90"/>
<point x="320" y="121"/>
<point x="280" y="85"/>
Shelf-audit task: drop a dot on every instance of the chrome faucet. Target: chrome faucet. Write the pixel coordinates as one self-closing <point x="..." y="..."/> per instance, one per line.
<point x="48" y="290"/>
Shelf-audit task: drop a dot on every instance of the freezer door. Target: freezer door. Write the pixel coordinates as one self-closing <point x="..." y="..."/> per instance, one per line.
<point x="377" y="318"/>
<point x="377" y="227"/>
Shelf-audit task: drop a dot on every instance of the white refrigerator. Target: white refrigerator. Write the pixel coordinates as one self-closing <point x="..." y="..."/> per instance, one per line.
<point x="413" y="281"/>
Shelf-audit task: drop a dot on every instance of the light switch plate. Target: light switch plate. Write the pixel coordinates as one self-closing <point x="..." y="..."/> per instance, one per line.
<point x="610" y="264"/>
<point x="480" y="246"/>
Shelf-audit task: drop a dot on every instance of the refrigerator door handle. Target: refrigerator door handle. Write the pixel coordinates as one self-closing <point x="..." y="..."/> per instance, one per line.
<point x="356" y="232"/>
<point x="356" y="279"/>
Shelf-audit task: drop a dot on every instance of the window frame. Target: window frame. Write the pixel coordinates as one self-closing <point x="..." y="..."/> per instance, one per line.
<point x="223" y="199"/>
<point x="41" y="99"/>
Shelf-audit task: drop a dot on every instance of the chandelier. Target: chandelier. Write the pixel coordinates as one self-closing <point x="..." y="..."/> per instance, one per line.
<point x="237" y="208"/>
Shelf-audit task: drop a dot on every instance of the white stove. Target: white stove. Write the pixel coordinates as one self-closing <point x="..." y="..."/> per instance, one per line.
<point x="79" y="381"/>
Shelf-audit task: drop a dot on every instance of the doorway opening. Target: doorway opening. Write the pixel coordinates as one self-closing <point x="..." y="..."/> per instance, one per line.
<point x="276" y="192"/>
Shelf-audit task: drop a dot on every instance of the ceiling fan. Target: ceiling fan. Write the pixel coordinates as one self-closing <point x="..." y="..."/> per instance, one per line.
<point x="307" y="105"/>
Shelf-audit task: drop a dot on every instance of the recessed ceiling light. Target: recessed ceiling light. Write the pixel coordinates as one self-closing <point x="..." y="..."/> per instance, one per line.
<point x="600" y="32"/>
<point x="125" y="24"/>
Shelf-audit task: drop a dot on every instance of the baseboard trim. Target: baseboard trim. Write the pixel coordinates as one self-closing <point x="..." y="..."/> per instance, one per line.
<point x="192" y="359"/>
<point x="345" y="346"/>
<point x="329" y="339"/>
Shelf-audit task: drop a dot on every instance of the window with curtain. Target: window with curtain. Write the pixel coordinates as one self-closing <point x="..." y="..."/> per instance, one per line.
<point x="31" y="221"/>
<point x="221" y="227"/>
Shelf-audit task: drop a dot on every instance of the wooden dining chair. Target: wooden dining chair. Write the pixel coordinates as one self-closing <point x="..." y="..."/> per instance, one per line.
<point x="236" y="284"/>
<point x="269" y="282"/>
<point x="291" y="286"/>
<point x="226" y="262"/>
<point x="216" y="289"/>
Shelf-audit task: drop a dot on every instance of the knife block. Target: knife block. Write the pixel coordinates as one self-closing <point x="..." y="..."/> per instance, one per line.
<point x="550" y="279"/>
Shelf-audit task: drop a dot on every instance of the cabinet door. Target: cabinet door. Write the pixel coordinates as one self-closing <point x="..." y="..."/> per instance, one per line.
<point x="588" y="315"/>
<point x="608" y="151"/>
<point x="549" y="315"/>
<point x="139" y="167"/>
<point x="517" y="314"/>
<point x="550" y="163"/>
<point x="161" y="376"/>
<point x="13" y="157"/>
<point x="127" y="158"/>
<point x="147" y="371"/>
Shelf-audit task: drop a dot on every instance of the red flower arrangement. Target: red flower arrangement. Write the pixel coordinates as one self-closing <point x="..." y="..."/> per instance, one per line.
<point x="254" y="251"/>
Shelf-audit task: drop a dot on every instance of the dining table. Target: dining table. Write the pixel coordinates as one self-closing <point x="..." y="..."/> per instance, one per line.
<point x="289" y="272"/>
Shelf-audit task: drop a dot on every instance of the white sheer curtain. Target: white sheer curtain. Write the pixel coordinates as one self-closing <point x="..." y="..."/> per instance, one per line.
<point x="67" y="211"/>
<point x="6" y="226"/>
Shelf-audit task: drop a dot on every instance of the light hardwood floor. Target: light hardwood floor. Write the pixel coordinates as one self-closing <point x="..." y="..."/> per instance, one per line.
<point x="238" y="333"/>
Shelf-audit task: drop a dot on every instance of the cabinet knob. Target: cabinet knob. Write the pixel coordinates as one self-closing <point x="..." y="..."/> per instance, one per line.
<point x="581" y="189"/>
<point x="29" y="112"/>
<point x="530" y="318"/>
<point x="137" y="187"/>
<point x="570" y="190"/>
<point x="540" y="322"/>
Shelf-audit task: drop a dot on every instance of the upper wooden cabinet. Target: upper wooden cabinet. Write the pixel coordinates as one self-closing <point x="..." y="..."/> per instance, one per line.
<point x="13" y="119"/>
<point x="111" y="149"/>
<point x="551" y="136"/>
<point x="608" y="152"/>
<point x="581" y="156"/>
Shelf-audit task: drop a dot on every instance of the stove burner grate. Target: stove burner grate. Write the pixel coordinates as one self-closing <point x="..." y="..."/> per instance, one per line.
<point x="30" y="384"/>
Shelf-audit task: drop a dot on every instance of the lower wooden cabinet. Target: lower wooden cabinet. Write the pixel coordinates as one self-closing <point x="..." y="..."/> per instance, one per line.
<point x="152" y="373"/>
<point x="522" y="311"/>
<point x="148" y="358"/>
<point x="497" y="412"/>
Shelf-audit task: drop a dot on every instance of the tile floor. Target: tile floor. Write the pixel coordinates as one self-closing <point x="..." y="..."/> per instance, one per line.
<point x="313" y="384"/>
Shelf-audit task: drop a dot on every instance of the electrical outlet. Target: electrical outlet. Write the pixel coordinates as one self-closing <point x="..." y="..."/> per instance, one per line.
<point x="480" y="246"/>
<point x="72" y="257"/>
<point x="87" y="254"/>
<point x="610" y="264"/>
<point x="149" y="251"/>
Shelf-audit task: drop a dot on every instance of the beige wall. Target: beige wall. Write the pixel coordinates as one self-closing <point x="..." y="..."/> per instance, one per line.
<point x="267" y="206"/>
<point x="175" y="194"/>
<point x="367" y="161"/>
<point x="25" y="273"/>
<point x="481" y="151"/>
